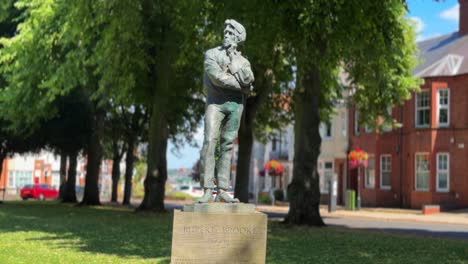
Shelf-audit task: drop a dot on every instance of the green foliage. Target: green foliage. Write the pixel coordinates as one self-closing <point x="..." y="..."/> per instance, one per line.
<point x="279" y="195"/>
<point x="141" y="168"/>
<point x="373" y="42"/>
<point x="179" y="196"/>
<point x="264" y="198"/>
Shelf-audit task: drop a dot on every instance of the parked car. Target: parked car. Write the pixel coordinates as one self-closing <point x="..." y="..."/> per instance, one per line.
<point x="194" y="191"/>
<point x="38" y="191"/>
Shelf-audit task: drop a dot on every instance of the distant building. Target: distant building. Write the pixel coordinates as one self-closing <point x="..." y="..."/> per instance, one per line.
<point x="333" y="152"/>
<point x="332" y="160"/>
<point x="425" y="161"/>
<point x="45" y="168"/>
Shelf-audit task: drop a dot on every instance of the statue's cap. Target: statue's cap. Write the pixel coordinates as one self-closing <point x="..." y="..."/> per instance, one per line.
<point x="239" y="29"/>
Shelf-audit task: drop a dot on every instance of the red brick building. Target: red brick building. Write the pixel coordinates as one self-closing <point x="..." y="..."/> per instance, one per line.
<point x="425" y="161"/>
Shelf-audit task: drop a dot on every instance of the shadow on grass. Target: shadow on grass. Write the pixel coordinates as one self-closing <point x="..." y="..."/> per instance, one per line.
<point x="105" y="230"/>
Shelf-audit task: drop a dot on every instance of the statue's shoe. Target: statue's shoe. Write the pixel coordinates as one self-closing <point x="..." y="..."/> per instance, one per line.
<point x="207" y="197"/>
<point x="225" y="197"/>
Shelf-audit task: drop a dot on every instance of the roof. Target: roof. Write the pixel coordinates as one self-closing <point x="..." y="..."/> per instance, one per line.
<point x="446" y="55"/>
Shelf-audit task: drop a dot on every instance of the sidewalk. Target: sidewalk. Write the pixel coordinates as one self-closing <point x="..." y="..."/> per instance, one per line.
<point x="459" y="217"/>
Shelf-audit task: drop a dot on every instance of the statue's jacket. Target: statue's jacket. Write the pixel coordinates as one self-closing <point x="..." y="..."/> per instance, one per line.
<point x="221" y="85"/>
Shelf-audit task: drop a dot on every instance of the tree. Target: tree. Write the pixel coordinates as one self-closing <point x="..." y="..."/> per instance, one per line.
<point x="173" y="106"/>
<point x="56" y="51"/>
<point x="374" y="43"/>
<point x="46" y="60"/>
<point x="114" y="145"/>
<point x="67" y="133"/>
<point x="135" y="121"/>
<point x="10" y="141"/>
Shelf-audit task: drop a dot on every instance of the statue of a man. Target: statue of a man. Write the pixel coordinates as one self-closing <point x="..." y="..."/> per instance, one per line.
<point x="228" y="78"/>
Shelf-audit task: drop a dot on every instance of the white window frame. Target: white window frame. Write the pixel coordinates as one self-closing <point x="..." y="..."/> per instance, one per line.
<point x="11" y="179"/>
<point x="356" y="123"/>
<point x="323" y="181"/>
<point x="416" y="172"/>
<point x="416" y="109"/>
<point x="344" y="125"/>
<point x="440" y="107"/>
<point x="382" y="186"/>
<point x="366" y="174"/>
<point x="438" y="189"/>
<point x="323" y="130"/>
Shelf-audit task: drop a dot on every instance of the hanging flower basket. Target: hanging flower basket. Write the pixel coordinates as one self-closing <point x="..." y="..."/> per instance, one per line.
<point x="357" y="158"/>
<point x="274" y="168"/>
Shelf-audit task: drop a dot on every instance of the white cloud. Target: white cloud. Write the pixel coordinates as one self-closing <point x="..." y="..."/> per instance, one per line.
<point x="451" y="13"/>
<point x="418" y="24"/>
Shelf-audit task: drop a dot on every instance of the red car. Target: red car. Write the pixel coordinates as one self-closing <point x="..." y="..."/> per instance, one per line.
<point x="38" y="191"/>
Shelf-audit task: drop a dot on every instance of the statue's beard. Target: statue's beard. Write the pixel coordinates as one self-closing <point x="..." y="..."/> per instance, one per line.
<point x="228" y="44"/>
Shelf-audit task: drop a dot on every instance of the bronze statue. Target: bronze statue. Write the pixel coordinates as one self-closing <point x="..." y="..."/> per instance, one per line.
<point x="228" y="79"/>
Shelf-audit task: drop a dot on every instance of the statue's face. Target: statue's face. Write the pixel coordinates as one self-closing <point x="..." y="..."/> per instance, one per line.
<point x="229" y="37"/>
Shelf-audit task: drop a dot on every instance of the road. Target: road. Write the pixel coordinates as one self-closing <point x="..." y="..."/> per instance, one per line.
<point x="401" y="227"/>
<point x="390" y="226"/>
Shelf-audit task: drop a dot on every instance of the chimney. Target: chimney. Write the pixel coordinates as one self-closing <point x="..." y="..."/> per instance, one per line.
<point x="463" y="21"/>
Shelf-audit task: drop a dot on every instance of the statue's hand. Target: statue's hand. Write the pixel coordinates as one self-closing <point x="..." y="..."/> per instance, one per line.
<point x="237" y="63"/>
<point x="240" y="68"/>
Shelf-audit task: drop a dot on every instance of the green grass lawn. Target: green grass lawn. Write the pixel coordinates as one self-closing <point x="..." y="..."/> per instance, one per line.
<point x="48" y="232"/>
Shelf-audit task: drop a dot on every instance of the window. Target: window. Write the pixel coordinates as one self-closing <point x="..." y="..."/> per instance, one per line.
<point x="11" y="179"/>
<point x="422" y="172"/>
<point x="385" y="171"/>
<point x="344" y="125"/>
<point x="326" y="130"/>
<point x="325" y="175"/>
<point x="273" y="144"/>
<point x="443" y="107"/>
<point x="17" y="178"/>
<point x="443" y="172"/>
<point x="356" y="123"/>
<point x="370" y="173"/>
<point x="423" y="109"/>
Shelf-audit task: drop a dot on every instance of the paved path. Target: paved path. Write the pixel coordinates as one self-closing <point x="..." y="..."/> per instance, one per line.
<point x="410" y="222"/>
<point x="401" y="227"/>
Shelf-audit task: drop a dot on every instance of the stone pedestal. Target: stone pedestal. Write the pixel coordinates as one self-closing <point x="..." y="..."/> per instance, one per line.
<point x="219" y="233"/>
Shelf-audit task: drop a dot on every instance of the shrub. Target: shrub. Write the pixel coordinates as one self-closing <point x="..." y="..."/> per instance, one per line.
<point x="179" y="196"/>
<point x="264" y="198"/>
<point x="279" y="195"/>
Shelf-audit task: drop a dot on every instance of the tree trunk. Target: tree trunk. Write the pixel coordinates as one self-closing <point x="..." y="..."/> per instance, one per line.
<point x="156" y="175"/>
<point x="245" y="138"/>
<point x="116" y="158"/>
<point x="158" y="133"/>
<point x="304" y="192"/>
<point x="70" y="192"/>
<point x="63" y="175"/>
<point x="94" y="153"/>
<point x="2" y="158"/>
<point x="245" y="135"/>
<point x="129" y="160"/>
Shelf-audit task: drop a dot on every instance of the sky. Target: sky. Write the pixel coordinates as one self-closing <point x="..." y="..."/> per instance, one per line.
<point x="432" y="18"/>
